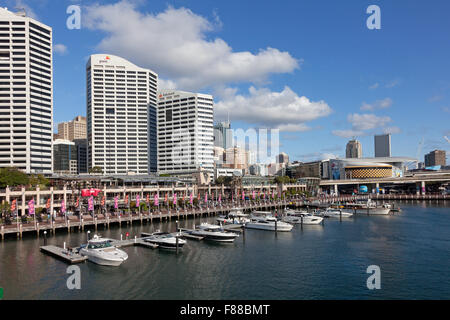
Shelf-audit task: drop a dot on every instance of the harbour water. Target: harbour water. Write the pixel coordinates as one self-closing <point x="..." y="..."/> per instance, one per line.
<point x="329" y="261"/>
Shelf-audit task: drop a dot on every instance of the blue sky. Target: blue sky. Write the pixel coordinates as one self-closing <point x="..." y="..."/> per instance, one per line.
<point x="310" y="68"/>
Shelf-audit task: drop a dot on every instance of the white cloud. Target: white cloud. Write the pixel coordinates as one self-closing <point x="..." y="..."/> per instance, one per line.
<point x="166" y="84"/>
<point x="374" y="86"/>
<point x="174" y="43"/>
<point x="379" y="104"/>
<point x="391" y="130"/>
<point x="347" y="133"/>
<point x="60" y="49"/>
<point x="283" y="110"/>
<point x="365" y="122"/>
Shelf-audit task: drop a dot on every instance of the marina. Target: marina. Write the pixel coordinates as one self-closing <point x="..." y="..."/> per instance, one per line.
<point x="333" y="258"/>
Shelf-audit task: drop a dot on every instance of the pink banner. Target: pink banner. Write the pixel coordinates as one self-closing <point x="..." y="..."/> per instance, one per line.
<point x="220" y="198"/>
<point x="156" y="200"/>
<point x="243" y="195"/>
<point x="138" y="201"/>
<point x="31" y="207"/>
<point x="91" y="203"/>
<point x="175" y="198"/>
<point x="191" y="199"/>
<point x="253" y="194"/>
<point x="116" y="203"/>
<point x="206" y="197"/>
<point x="63" y="206"/>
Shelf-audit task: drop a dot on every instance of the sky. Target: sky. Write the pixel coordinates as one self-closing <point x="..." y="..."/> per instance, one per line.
<point x="310" y="68"/>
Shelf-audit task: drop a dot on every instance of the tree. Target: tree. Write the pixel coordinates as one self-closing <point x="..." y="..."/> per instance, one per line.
<point x="96" y="169"/>
<point x="224" y="180"/>
<point x="12" y="177"/>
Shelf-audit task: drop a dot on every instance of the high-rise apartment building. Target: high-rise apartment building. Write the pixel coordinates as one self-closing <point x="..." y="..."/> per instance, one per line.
<point x="72" y="130"/>
<point x="26" y="93"/>
<point x="185" y="132"/>
<point x="382" y="145"/>
<point x="121" y="97"/>
<point x="353" y="149"/>
<point x="435" y="158"/>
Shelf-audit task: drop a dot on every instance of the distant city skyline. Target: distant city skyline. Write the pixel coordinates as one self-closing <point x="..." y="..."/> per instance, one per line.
<point x="327" y="79"/>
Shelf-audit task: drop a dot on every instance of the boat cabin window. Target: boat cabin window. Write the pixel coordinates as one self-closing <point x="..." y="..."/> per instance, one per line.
<point x="99" y="245"/>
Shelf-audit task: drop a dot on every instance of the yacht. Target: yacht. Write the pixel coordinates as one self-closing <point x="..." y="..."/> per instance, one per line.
<point x="236" y="216"/>
<point x="268" y="223"/>
<point x="214" y="233"/>
<point x="165" y="240"/>
<point x="100" y="251"/>
<point x="336" y="213"/>
<point x="298" y="217"/>
<point x="371" y="208"/>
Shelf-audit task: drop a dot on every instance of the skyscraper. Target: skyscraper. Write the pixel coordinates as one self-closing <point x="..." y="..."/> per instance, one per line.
<point x="223" y="135"/>
<point x="382" y="145"/>
<point x="72" y="130"/>
<point x="120" y="96"/>
<point x="185" y="132"/>
<point x="26" y="93"/>
<point x="353" y="149"/>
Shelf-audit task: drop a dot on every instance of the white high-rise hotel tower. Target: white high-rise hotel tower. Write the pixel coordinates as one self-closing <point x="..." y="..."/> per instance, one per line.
<point x="26" y="93"/>
<point x="185" y="132"/>
<point x="121" y="111"/>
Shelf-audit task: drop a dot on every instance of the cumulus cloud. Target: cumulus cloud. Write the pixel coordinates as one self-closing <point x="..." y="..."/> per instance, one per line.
<point x="166" y="84"/>
<point x="60" y="49"/>
<point x="367" y="121"/>
<point x="361" y="123"/>
<point x="379" y="104"/>
<point x="283" y="110"/>
<point x="175" y="44"/>
<point x="391" y="130"/>
<point x="347" y="133"/>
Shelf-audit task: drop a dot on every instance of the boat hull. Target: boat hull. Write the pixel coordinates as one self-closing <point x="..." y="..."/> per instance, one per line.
<point x="103" y="261"/>
<point x="269" y="227"/>
<point x="373" y="211"/>
<point x="306" y="220"/>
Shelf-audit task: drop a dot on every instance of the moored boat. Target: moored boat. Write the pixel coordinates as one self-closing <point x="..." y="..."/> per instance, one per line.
<point x="214" y="233"/>
<point x="165" y="240"/>
<point x="100" y="251"/>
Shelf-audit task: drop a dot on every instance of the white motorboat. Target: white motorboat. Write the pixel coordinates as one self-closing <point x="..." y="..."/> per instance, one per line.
<point x="165" y="240"/>
<point x="268" y="223"/>
<point x="236" y="216"/>
<point x="336" y="213"/>
<point x="214" y="233"/>
<point x="100" y="251"/>
<point x="371" y="208"/>
<point x="299" y="217"/>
